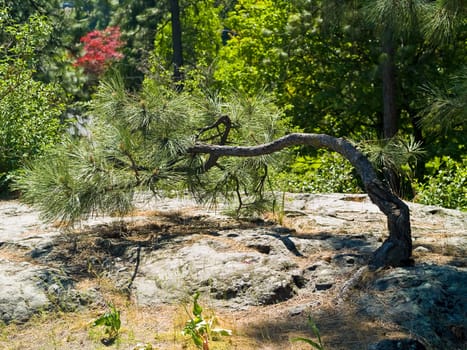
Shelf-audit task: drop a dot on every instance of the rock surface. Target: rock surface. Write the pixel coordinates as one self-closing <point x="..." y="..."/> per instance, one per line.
<point x="21" y="294"/>
<point x="164" y="256"/>
<point x="430" y="300"/>
<point x="397" y="344"/>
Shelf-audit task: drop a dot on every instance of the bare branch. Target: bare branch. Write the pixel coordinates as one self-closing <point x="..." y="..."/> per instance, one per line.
<point x="222" y="120"/>
<point x="339" y="145"/>
<point x="212" y="161"/>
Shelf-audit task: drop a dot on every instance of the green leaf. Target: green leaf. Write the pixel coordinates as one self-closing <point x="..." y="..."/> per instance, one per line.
<point x="308" y="341"/>
<point x="197" y="309"/>
<point x="198" y="340"/>
<point x="314" y="328"/>
<point x="101" y="321"/>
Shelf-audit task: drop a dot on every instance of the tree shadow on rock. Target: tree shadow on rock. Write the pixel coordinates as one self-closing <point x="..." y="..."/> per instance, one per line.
<point x="104" y="248"/>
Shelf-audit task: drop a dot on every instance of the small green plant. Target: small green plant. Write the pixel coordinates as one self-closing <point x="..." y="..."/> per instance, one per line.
<point x="111" y="321"/>
<point x="199" y="329"/>
<point x="445" y="183"/>
<point x="316" y="345"/>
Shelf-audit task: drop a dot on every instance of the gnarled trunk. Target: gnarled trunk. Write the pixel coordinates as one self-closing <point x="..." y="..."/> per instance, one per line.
<point x="397" y="248"/>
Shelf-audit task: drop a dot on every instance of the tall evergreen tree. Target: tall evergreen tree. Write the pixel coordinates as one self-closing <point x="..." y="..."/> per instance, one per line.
<point x="402" y="23"/>
<point x="198" y="26"/>
<point x="138" y="21"/>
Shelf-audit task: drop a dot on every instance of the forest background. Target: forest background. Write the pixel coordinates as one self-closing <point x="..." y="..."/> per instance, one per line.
<point x="390" y="76"/>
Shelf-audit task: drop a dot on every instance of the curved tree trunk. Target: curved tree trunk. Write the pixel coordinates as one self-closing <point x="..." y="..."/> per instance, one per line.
<point x="397" y="248"/>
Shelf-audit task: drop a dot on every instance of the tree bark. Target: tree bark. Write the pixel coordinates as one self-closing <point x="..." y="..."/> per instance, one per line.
<point x="176" y="40"/>
<point x="397" y="248"/>
<point x="390" y="116"/>
<point x="390" y="113"/>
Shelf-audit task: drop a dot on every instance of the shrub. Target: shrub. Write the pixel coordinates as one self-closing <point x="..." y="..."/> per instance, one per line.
<point x="100" y="50"/>
<point x="328" y="172"/>
<point x="445" y="184"/>
<point x="111" y="321"/>
<point x="200" y="329"/>
<point x="29" y="109"/>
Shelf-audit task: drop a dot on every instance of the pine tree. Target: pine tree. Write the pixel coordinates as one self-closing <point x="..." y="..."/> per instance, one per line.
<point x="161" y="139"/>
<point x="141" y="142"/>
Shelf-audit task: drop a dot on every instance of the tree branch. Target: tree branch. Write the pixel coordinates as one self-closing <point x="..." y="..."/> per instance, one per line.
<point x="212" y="161"/>
<point x="339" y="145"/>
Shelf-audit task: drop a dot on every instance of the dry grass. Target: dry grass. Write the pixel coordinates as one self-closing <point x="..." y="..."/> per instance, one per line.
<point x="260" y="328"/>
<point x="13" y="254"/>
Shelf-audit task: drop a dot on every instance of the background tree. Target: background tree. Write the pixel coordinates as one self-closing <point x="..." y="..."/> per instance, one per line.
<point x="322" y="63"/>
<point x="69" y="22"/>
<point x="177" y="46"/>
<point x="394" y="39"/>
<point x="336" y="60"/>
<point x="138" y="21"/>
<point x="447" y="106"/>
<point x="331" y="76"/>
<point x="198" y="27"/>
<point x="101" y="49"/>
<point x="255" y="53"/>
<point x="402" y="24"/>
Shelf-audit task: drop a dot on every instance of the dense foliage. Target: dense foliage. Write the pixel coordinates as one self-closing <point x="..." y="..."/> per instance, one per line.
<point x="100" y="50"/>
<point x="324" y="173"/>
<point x="390" y="75"/>
<point x="29" y="109"/>
<point x="445" y="183"/>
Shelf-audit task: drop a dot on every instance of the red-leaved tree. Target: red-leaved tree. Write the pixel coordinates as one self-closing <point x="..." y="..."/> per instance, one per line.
<point x="100" y="50"/>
